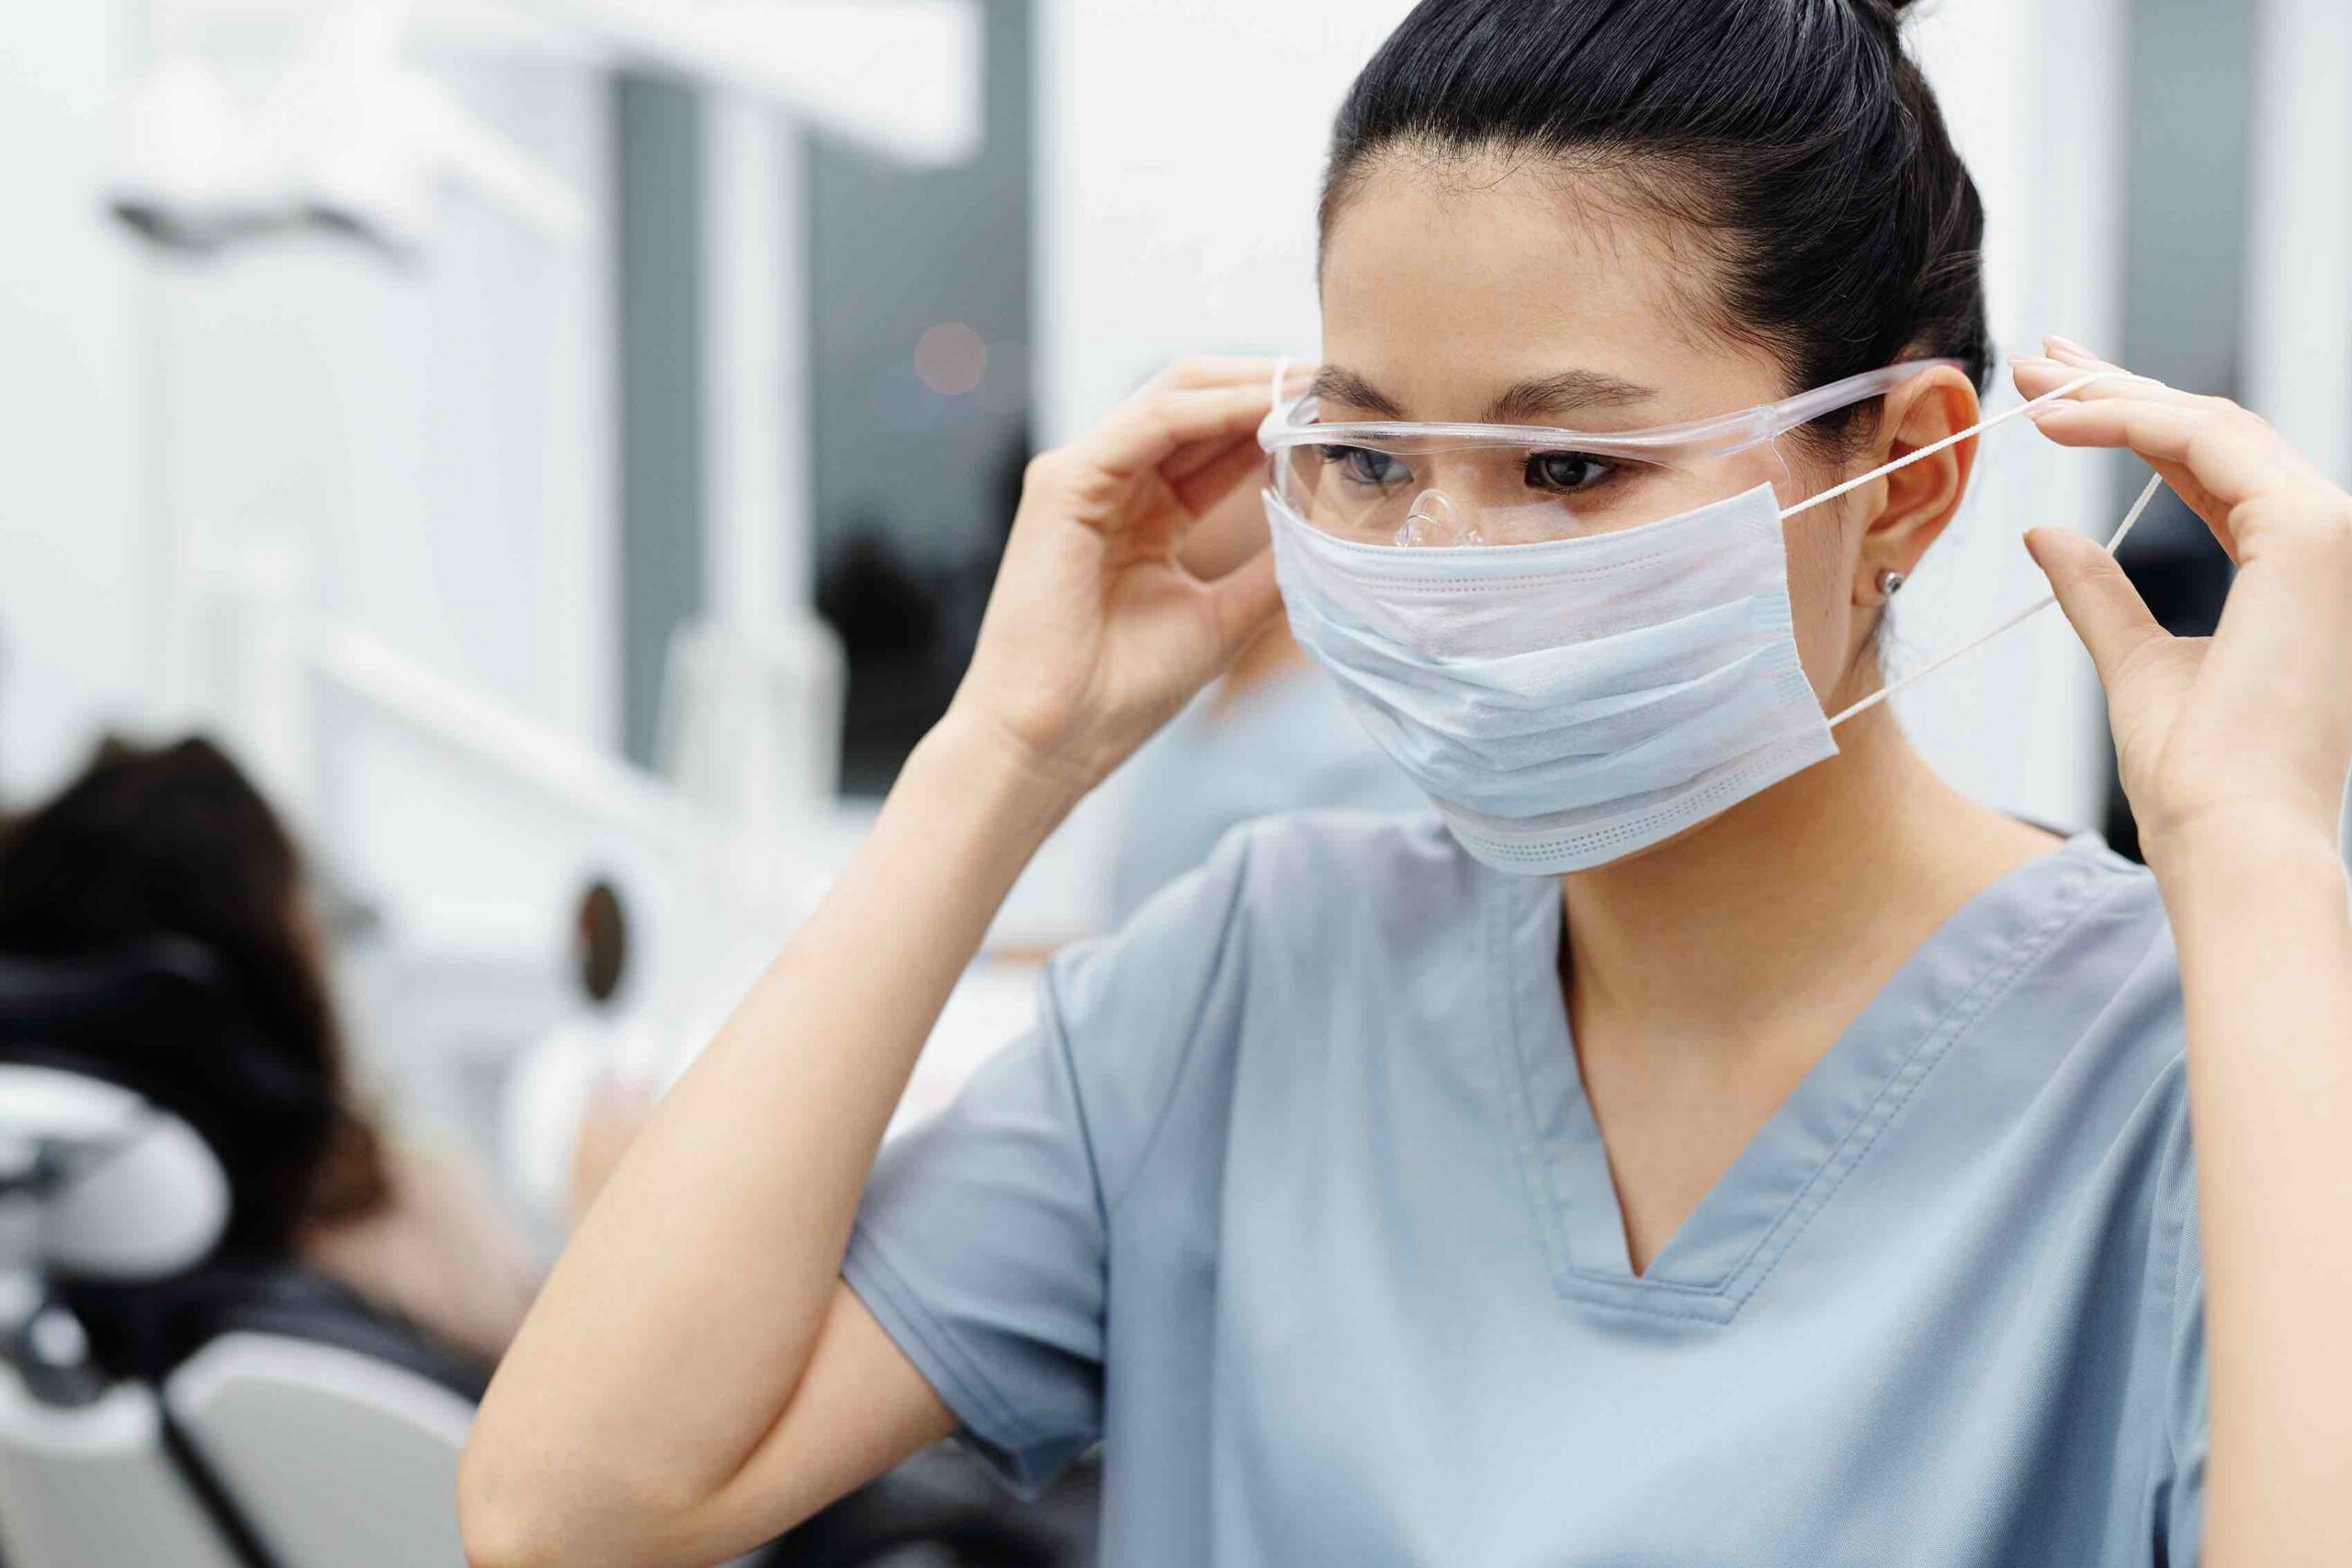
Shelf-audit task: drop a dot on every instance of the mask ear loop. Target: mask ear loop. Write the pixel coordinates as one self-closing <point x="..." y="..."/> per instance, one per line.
<point x="2132" y="519"/>
<point x="1979" y="428"/>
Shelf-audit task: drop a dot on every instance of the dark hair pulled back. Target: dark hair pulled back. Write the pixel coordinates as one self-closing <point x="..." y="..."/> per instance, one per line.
<point x="1797" y="136"/>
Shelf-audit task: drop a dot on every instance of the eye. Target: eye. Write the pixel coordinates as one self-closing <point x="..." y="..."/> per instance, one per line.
<point x="1568" y="472"/>
<point x="1363" y="466"/>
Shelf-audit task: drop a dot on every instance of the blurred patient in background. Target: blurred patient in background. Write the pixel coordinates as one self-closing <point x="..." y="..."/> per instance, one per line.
<point x="1271" y="737"/>
<point x="176" y="841"/>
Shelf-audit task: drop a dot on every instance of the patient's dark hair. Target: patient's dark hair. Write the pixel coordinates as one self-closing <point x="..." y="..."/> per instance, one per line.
<point x="1795" y="138"/>
<point x="174" y="843"/>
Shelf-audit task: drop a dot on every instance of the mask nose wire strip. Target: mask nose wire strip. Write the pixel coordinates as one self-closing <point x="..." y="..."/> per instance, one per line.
<point x="1834" y="491"/>
<point x="2131" y="520"/>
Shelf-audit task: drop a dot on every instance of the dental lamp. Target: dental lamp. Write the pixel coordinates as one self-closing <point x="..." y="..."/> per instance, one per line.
<point x="350" y="138"/>
<point x="347" y="139"/>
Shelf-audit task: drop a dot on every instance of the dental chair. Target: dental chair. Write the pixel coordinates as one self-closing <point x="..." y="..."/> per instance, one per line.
<point x="163" y="1406"/>
<point x="157" y="1405"/>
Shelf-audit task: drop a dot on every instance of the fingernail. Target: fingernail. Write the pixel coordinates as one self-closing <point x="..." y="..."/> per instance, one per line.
<point x="2034" y="359"/>
<point x="2071" y="346"/>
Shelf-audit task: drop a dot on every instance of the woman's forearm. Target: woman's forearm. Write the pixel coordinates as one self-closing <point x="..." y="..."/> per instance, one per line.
<point x="671" y="1335"/>
<point x="694" y="1356"/>
<point x="2266" y="954"/>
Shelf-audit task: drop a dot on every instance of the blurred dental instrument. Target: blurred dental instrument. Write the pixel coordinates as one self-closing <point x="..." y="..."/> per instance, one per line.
<point x="347" y="139"/>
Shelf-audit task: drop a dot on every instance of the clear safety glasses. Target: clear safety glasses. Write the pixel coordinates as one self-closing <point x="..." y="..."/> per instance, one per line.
<point x="1408" y="484"/>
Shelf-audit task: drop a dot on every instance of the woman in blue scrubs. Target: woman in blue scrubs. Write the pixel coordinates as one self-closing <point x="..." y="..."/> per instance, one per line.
<point x="1709" y="1139"/>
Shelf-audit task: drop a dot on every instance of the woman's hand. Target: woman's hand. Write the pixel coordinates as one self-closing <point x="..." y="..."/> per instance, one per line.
<point x="1095" y="635"/>
<point x="2248" y="732"/>
<point x="2234" y="751"/>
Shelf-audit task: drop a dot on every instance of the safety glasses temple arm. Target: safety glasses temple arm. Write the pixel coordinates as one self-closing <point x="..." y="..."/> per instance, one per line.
<point x="1806" y="407"/>
<point x="1979" y="428"/>
<point x="1725" y="432"/>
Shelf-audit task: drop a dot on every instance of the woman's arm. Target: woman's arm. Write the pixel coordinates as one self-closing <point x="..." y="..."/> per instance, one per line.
<point x="695" y="1378"/>
<point x="2235" y="752"/>
<point x="2266" y="959"/>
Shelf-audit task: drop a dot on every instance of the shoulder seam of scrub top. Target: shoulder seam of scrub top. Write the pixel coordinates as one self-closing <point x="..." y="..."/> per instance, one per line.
<point x="1053" y="1031"/>
<point x="2080" y="895"/>
<point x="1239" y="842"/>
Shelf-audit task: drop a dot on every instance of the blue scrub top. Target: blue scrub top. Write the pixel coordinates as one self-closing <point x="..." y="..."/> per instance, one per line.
<point x="1292" y="1199"/>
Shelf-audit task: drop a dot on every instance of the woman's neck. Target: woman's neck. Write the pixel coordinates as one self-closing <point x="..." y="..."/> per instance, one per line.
<point x="1798" y="903"/>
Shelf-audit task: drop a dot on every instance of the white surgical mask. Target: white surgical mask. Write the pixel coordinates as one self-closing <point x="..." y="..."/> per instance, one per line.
<point x="1570" y="702"/>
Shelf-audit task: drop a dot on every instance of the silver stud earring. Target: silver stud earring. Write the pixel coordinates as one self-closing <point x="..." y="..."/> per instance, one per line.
<point x="1890" y="582"/>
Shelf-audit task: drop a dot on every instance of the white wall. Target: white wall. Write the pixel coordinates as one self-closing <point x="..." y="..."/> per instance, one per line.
<point x="2299" y="252"/>
<point x="437" y="442"/>
<point x="76" y="590"/>
<point x="1182" y="150"/>
<point x="2036" y="98"/>
<point x="2299" y="248"/>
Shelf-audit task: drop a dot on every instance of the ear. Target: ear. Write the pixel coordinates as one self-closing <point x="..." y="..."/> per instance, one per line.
<point x="1921" y="499"/>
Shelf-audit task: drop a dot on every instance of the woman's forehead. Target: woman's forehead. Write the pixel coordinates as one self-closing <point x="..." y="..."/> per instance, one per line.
<point x="1448" y="284"/>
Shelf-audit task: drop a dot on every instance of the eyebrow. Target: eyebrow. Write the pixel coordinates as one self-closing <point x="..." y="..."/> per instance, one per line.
<point x="1552" y="396"/>
<point x="1336" y="384"/>
<point x="1531" y="401"/>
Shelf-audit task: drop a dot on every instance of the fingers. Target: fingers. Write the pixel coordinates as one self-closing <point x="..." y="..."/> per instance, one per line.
<point x="1190" y="419"/>
<point x="2159" y="431"/>
<point x="2037" y="374"/>
<point x="1218" y="476"/>
<point x="1152" y="427"/>
<point x="2227" y="456"/>
<point x="2107" y="612"/>
<point x="1173" y="452"/>
<point x="1222" y="372"/>
<point x="1209" y="370"/>
<point x="2219" y="456"/>
<point x="1188" y="461"/>
<point x="2070" y="362"/>
<point x="2074" y="361"/>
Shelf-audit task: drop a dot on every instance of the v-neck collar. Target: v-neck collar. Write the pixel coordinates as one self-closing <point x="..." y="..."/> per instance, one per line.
<point x="1810" y="1144"/>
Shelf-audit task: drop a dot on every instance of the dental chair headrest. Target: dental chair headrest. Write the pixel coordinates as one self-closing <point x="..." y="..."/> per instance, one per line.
<point x="110" y="1065"/>
<point x="116" y="1188"/>
<point x="114" y="1071"/>
<point x="161" y="1018"/>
